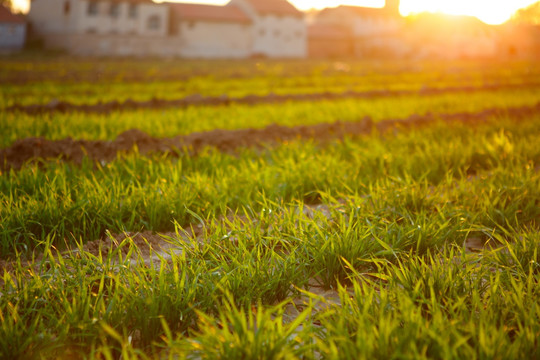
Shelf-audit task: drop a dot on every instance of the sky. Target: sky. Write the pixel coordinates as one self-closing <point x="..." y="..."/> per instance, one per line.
<point x="489" y="11"/>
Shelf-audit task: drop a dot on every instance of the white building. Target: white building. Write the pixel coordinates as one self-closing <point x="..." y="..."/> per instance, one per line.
<point x="373" y="31"/>
<point x="279" y="29"/>
<point x="242" y="28"/>
<point x="12" y="31"/>
<point x="140" y="17"/>
<point x="207" y="31"/>
<point x="102" y="27"/>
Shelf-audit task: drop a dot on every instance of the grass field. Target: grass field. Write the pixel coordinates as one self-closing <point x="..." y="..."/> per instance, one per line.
<point x="418" y="242"/>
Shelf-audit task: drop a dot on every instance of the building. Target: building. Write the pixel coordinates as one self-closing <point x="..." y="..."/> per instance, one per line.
<point x="103" y="17"/>
<point x="103" y="27"/>
<point x="519" y="41"/>
<point x="279" y="29"/>
<point x="370" y="31"/>
<point x="12" y="31"/>
<point x="207" y="31"/>
<point x="450" y="36"/>
<point x="330" y="41"/>
<point x="242" y="28"/>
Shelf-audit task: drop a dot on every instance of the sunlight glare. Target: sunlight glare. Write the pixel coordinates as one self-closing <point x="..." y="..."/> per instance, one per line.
<point x="21" y="5"/>
<point x="491" y="12"/>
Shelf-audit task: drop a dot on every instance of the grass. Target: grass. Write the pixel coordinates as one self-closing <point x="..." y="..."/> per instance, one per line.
<point x="195" y="119"/>
<point x="394" y="239"/>
<point x="380" y="222"/>
<point x="134" y="192"/>
<point x="260" y="84"/>
<point x="443" y="304"/>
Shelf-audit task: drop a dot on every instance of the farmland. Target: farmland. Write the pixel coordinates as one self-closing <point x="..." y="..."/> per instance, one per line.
<point x="269" y="209"/>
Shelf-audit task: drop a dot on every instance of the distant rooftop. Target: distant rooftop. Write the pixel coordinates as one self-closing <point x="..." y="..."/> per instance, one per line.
<point x="276" y="7"/>
<point x="130" y="1"/>
<point x="228" y="13"/>
<point x="360" y="11"/>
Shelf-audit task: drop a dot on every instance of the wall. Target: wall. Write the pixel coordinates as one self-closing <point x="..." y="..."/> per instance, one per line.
<point x="207" y="39"/>
<point x="276" y="36"/>
<point x="269" y="35"/>
<point x="116" y="45"/>
<point x="320" y="47"/>
<point x="375" y="26"/>
<point x="381" y="46"/>
<point x="50" y="17"/>
<point x="280" y="36"/>
<point x="12" y="36"/>
<point x="458" y="46"/>
<point x="47" y="16"/>
<point x="105" y="23"/>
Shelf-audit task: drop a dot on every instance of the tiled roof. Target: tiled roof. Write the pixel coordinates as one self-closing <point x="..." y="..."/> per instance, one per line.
<point x="229" y="13"/>
<point x="129" y="1"/>
<point x="360" y="11"/>
<point x="6" y="16"/>
<point x="276" y="7"/>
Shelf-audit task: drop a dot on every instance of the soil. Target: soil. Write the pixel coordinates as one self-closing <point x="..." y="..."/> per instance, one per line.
<point x="155" y="247"/>
<point x="146" y="242"/>
<point x="199" y="100"/>
<point x="38" y="149"/>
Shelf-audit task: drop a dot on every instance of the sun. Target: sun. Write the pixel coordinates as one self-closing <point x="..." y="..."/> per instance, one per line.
<point x="21" y="5"/>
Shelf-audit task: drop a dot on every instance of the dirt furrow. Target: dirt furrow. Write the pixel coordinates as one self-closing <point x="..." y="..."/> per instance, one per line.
<point x="32" y="149"/>
<point x="199" y="100"/>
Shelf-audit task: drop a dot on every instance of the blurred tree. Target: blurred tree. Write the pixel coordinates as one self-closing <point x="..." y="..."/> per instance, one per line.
<point x="529" y="15"/>
<point x="7" y="3"/>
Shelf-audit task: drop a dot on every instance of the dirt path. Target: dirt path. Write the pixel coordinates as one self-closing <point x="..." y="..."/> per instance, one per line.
<point x="32" y="149"/>
<point x="199" y="100"/>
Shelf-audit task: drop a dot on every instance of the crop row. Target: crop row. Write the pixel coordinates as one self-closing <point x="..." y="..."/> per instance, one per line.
<point x="39" y="149"/>
<point x="350" y="235"/>
<point x="167" y="122"/>
<point x="29" y="71"/>
<point x="311" y="78"/>
<point x="69" y="202"/>
<point x="252" y="99"/>
<point x="401" y="206"/>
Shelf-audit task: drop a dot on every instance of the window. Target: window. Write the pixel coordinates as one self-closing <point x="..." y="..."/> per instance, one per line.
<point x="92" y="8"/>
<point x="132" y="11"/>
<point x="67" y="7"/>
<point x="154" y="22"/>
<point x="114" y="10"/>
